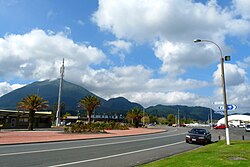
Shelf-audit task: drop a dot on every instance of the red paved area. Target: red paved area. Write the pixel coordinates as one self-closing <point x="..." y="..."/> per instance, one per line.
<point x="15" y="137"/>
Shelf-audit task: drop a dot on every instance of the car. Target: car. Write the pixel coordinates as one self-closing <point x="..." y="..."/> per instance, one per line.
<point x="199" y="136"/>
<point x="151" y="124"/>
<point x="174" y="125"/>
<point x="247" y="128"/>
<point x="222" y="126"/>
<point x="182" y="125"/>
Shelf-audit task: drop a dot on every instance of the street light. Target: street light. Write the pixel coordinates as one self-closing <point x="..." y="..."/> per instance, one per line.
<point x="223" y="87"/>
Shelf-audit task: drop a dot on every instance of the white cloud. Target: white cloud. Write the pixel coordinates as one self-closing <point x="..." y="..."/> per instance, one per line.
<point x="242" y="8"/>
<point x="170" y="98"/>
<point x="38" y="55"/>
<point x="6" y="87"/>
<point x="234" y="75"/>
<point x="80" y="22"/>
<point x="171" y="26"/>
<point x="171" y="20"/>
<point x="177" y="56"/>
<point x="238" y="95"/>
<point x="117" y="79"/>
<point x="245" y="63"/>
<point x="119" y="47"/>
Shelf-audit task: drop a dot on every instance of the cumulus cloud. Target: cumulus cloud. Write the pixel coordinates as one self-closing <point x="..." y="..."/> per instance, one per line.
<point x="38" y="55"/>
<point x="119" y="47"/>
<point x="234" y="75"/>
<point x="172" y="20"/>
<point x="177" y="56"/>
<point x="238" y="95"/>
<point x="5" y="87"/>
<point x="242" y="8"/>
<point x="245" y="63"/>
<point x="170" y="98"/>
<point x="171" y="26"/>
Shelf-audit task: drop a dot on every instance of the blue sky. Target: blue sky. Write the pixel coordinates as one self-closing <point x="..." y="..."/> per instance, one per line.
<point x="142" y="50"/>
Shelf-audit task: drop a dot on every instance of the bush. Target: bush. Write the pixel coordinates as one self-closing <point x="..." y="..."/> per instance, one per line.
<point x="97" y="127"/>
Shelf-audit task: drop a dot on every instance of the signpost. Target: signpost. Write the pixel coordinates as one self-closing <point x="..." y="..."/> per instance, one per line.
<point x="230" y="107"/>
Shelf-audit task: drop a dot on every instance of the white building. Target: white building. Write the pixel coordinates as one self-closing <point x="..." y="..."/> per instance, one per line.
<point x="236" y="120"/>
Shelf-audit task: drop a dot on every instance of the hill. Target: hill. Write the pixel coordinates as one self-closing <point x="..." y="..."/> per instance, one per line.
<point x="71" y="94"/>
<point x="193" y="112"/>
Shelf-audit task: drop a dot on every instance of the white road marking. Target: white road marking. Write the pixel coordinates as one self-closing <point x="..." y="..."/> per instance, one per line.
<point x="78" y="147"/>
<point x="116" y="155"/>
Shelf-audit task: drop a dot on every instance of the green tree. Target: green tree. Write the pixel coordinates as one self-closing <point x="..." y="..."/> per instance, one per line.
<point x="146" y="119"/>
<point x="171" y="118"/>
<point x="89" y="103"/>
<point x="162" y="120"/>
<point x="32" y="103"/>
<point x="135" y="115"/>
<point x="66" y="115"/>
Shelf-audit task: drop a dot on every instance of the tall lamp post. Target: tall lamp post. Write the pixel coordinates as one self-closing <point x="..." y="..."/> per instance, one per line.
<point x="223" y="87"/>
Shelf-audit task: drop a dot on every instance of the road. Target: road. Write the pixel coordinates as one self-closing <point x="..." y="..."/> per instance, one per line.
<point x="118" y="151"/>
<point x="106" y="152"/>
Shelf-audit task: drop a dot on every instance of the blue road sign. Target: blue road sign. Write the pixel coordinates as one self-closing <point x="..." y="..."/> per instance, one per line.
<point x="230" y="107"/>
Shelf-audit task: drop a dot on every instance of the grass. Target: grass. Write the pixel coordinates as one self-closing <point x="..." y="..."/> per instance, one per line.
<point x="213" y="155"/>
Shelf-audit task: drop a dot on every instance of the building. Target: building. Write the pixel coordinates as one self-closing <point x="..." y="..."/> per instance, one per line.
<point x="235" y="120"/>
<point x="19" y="119"/>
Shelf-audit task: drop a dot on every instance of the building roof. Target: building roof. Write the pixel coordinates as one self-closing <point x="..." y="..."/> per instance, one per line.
<point x="26" y="112"/>
<point x="244" y="118"/>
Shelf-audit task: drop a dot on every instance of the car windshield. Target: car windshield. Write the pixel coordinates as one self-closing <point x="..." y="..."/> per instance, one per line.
<point x="248" y="126"/>
<point x="198" y="131"/>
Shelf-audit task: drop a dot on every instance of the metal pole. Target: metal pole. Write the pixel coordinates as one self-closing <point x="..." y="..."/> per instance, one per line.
<point x="59" y="96"/>
<point x="143" y="121"/>
<point x="224" y="99"/>
<point x="223" y="88"/>
<point x="178" y="118"/>
<point x="211" y="117"/>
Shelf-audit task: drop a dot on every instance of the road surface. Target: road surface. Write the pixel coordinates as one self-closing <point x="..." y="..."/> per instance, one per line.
<point x="117" y="151"/>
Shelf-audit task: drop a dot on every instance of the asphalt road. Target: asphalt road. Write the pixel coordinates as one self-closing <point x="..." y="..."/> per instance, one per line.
<point x="108" y="152"/>
<point x="118" y="151"/>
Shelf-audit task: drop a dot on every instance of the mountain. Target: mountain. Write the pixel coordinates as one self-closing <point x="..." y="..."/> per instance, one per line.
<point x="71" y="94"/>
<point x="118" y="105"/>
<point x="194" y="112"/>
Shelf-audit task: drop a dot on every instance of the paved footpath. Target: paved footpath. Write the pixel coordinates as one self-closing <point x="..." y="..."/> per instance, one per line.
<point x="18" y="137"/>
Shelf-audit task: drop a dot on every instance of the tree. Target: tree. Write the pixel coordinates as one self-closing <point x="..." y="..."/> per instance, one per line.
<point x="89" y="103"/>
<point x="32" y="103"/>
<point x="146" y="119"/>
<point x="171" y="118"/>
<point x="135" y="115"/>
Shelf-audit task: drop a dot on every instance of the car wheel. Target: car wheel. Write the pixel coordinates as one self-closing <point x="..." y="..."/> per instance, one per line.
<point x="186" y="141"/>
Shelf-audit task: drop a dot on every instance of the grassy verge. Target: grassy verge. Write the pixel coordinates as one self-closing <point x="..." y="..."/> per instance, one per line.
<point x="214" y="155"/>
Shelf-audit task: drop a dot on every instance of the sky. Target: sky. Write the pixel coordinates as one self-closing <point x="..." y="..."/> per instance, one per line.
<point x="142" y="50"/>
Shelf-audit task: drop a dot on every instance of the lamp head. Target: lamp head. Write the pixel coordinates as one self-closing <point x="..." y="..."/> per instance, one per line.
<point x="197" y="40"/>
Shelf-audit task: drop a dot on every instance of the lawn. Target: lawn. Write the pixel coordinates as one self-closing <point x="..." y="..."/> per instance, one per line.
<point x="213" y="155"/>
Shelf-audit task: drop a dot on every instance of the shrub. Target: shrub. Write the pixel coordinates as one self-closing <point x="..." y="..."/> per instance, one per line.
<point x="94" y="127"/>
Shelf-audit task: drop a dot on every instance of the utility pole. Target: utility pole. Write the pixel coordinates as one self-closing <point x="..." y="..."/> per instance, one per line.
<point x="59" y="95"/>
<point x="211" y="117"/>
<point x="178" y="117"/>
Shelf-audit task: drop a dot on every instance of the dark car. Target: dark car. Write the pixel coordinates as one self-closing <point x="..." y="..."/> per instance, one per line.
<point x="247" y="128"/>
<point x="199" y="136"/>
